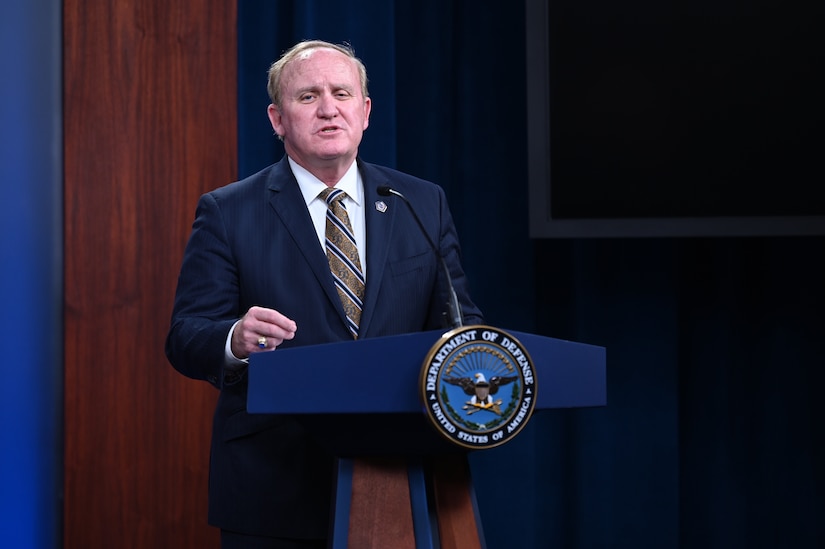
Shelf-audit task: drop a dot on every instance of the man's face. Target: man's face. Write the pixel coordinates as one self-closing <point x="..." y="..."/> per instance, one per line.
<point x="323" y="113"/>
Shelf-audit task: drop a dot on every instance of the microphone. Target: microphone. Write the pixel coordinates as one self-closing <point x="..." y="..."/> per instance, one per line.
<point x="454" y="316"/>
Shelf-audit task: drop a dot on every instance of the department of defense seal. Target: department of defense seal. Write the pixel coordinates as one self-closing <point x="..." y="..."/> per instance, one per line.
<point x="478" y="385"/>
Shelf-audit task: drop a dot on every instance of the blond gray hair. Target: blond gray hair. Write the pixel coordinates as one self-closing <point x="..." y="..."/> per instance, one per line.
<point x="276" y="70"/>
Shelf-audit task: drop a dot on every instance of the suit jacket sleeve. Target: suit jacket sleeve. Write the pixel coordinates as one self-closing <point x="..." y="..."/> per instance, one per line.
<point x="206" y="300"/>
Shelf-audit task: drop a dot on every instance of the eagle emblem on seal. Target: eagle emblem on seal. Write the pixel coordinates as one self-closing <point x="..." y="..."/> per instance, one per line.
<point x="481" y="391"/>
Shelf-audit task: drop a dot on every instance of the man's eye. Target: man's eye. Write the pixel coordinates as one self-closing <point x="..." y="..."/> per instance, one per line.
<point x="307" y="97"/>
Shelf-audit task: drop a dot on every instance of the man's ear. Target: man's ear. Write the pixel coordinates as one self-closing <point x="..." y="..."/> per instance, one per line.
<point x="367" y="110"/>
<point x="274" y="115"/>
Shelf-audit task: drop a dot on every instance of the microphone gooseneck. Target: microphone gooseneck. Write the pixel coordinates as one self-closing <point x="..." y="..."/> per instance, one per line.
<point x="454" y="316"/>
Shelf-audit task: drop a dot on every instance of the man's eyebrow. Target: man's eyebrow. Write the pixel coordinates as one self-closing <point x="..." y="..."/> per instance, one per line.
<point x="334" y="87"/>
<point x="306" y="89"/>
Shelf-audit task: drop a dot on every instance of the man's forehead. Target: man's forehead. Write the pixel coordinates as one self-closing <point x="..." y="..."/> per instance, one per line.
<point x="340" y="68"/>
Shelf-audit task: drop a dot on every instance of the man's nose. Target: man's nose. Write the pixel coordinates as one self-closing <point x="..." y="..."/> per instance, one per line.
<point x="326" y="106"/>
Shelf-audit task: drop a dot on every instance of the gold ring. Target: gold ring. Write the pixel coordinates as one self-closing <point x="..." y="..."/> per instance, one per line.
<point x="262" y="342"/>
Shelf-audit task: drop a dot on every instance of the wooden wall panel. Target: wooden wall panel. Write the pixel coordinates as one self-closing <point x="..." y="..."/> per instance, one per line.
<point x="150" y="124"/>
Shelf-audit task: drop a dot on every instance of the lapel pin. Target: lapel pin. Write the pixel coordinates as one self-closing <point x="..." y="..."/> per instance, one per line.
<point x="380" y="206"/>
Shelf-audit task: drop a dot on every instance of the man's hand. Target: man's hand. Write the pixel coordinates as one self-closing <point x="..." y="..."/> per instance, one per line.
<point x="259" y="330"/>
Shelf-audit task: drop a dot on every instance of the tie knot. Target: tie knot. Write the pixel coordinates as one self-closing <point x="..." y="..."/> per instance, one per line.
<point x="330" y="195"/>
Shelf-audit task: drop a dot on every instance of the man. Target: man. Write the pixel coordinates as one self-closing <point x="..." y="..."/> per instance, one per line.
<point x="256" y="278"/>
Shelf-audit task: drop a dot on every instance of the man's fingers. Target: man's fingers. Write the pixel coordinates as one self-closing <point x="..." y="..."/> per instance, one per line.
<point x="273" y="318"/>
<point x="265" y="329"/>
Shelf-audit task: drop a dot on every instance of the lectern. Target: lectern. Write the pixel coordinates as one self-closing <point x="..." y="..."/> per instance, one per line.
<point x="399" y="482"/>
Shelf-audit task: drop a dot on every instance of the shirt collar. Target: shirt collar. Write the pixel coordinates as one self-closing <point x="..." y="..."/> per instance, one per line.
<point x="311" y="186"/>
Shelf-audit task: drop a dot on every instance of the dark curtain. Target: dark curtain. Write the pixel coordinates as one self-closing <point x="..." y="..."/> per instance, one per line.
<point x="712" y="436"/>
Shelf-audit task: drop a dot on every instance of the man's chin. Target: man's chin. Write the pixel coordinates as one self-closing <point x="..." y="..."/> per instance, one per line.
<point x="333" y="156"/>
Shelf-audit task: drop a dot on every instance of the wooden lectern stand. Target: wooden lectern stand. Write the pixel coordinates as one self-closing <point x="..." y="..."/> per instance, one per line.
<point x="401" y="484"/>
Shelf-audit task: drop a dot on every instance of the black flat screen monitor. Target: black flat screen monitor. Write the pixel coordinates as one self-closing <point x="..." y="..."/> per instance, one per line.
<point x="675" y="118"/>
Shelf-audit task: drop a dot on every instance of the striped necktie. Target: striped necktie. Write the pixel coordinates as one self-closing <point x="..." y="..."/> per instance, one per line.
<point x="342" y="254"/>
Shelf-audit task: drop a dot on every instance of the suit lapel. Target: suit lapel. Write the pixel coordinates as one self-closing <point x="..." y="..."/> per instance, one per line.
<point x="288" y="203"/>
<point x="379" y="224"/>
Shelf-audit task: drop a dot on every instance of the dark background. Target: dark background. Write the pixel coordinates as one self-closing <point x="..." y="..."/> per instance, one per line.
<point x="715" y="346"/>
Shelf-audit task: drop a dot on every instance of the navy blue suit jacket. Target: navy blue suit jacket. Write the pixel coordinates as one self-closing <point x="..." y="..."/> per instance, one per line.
<point x="253" y="243"/>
